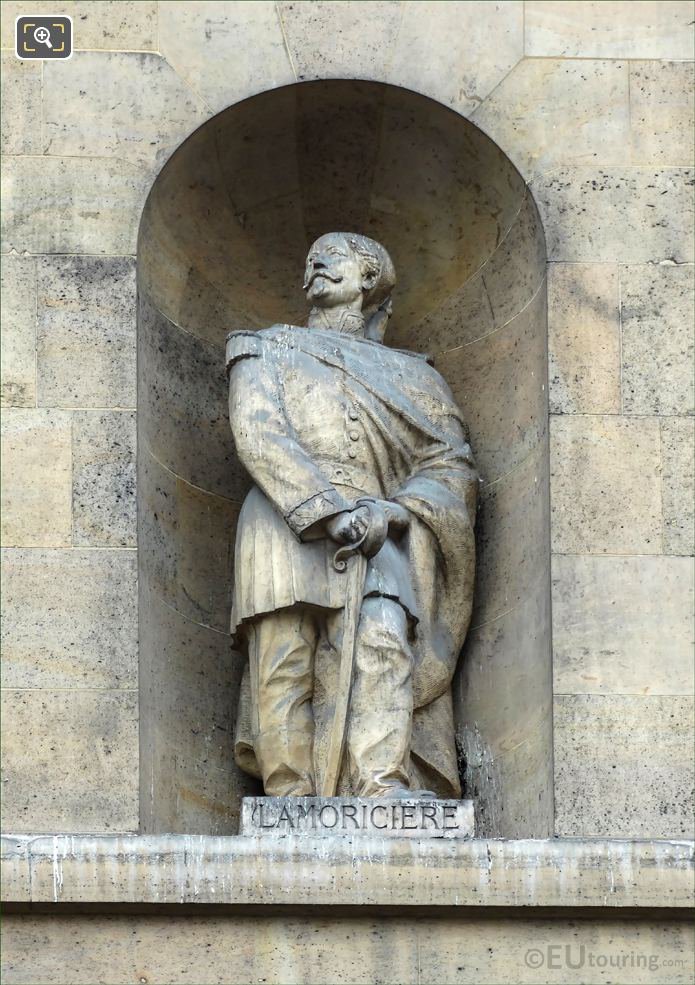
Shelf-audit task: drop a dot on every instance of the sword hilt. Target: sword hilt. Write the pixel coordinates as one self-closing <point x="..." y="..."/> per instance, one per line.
<point x="371" y="541"/>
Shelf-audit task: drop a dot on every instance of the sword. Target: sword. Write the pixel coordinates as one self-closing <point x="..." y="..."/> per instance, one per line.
<point x="353" y="558"/>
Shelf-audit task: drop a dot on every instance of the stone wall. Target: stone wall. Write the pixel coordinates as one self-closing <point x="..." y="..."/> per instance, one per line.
<point x="593" y="103"/>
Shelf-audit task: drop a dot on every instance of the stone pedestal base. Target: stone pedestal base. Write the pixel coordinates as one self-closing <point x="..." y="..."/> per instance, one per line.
<point x="357" y="817"/>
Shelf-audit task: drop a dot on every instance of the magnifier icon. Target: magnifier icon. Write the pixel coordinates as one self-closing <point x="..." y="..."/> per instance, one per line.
<point x="43" y="36"/>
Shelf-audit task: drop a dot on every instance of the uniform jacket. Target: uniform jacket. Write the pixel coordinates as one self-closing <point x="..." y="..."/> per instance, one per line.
<point x="319" y="419"/>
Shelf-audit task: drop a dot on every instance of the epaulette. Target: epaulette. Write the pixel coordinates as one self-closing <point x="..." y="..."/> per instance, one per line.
<point x="242" y="345"/>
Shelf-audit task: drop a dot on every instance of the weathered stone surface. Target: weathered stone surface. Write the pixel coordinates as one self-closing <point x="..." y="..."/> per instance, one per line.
<point x="103" y="479"/>
<point x="36" y="478"/>
<point x="355" y="817"/>
<point x="184" y="392"/>
<point x="111" y="24"/>
<point x="512" y="537"/>
<point x="330" y="41"/>
<point x="552" y="112"/>
<point x="657" y="315"/>
<point x="624" y="764"/>
<point x="70" y="760"/>
<point x="155" y="110"/>
<point x="226" y="51"/>
<point x="503" y="701"/>
<point x="18" y="336"/>
<point x="187" y="538"/>
<point x="661" y="112"/>
<point x="72" y="205"/>
<point x="622" y="625"/>
<point x="677" y="484"/>
<point x="583" y="338"/>
<point x="476" y="44"/>
<point x="14" y="863"/>
<point x="189" y="695"/>
<point x="506" y="421"/>
<point x="21" y="105"/>
<point x="432" y="872"/>
<point x="70" y="619"/>
<point x="350" y="949"/>
<point x="629" y="215"/>
<point x="86" y="331"/>
<point x="606" y="488"/>
<point x="615" y="29"/>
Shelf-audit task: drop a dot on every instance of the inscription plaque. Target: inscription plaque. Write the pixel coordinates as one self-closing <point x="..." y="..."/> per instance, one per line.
<point x="357" y="817"/>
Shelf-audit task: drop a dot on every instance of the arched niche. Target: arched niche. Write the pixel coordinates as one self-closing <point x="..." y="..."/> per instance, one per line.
<point x="222" y="244"/>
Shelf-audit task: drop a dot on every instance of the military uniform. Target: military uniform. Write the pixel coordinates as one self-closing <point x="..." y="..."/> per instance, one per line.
<point x="320" y="419"/>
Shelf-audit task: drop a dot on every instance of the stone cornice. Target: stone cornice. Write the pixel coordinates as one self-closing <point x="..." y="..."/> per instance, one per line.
<point x="166" y="869"/>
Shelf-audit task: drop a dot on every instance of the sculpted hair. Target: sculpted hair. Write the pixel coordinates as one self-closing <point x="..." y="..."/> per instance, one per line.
<point x="375" y="260"/>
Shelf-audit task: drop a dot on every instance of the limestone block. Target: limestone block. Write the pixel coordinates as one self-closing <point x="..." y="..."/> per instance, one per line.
<point x="14" y="857"/>
<point x="355" y="817"/>
<point x="500" y="664"/>
<point x="154" y="112"/>
<point x="467" y="874"/>
<point x="476" y="44"/>
<point x="605" y="482"/>
<point x="184" y="391"/>
<point x="629" y="215"/>
<point x="69" y="619"/>
<point x="359" y="948"/>
<point x="661" y="112"/>
<point x="72" y="205"/>
<point x="617" y="29"/>
<point x="86" y="331"/>
<point x="335" y="40"/>
<point x="36" y="478"/>
<point x="189" y="695"/>
<point x="552" y="112"/>
<point x="103" y="479"/>
<point x="18" y="336"/>
<point x="506" y="422"/>
<point x="512" y="792"/>
<point x="677" y="486"/>
<point x="624" y="764"/>
<point x="225" y="51"/>
<point x="512" y="532"/>
<point x="21" y="105"/>
<point x="70" y="760"/>
<point x="658" y="356"/>
<point x="187" y="538"/>
<point x="622" y="625"/>
<point x="583" y="338"/>
<point x="120" y="24"/>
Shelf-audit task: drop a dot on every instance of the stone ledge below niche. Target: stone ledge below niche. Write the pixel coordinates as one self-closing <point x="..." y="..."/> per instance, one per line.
<point x="206" y="869"/>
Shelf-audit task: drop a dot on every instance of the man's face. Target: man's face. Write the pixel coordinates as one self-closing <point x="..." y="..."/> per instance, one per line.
<point x="333" y="273"/>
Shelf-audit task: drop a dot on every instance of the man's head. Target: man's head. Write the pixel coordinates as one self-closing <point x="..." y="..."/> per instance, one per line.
<point x="348" y="269"/>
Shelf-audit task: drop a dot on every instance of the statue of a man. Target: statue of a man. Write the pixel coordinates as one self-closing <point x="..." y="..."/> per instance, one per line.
<point x="353" y="448"/>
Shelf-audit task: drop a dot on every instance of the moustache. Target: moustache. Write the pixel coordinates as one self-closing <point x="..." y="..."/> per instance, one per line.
<point x="315" y="274"/>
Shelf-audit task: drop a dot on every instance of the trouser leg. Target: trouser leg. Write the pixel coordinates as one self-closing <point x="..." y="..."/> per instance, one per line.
<point x="281" y="655"/>
<point x="381" y="707"/>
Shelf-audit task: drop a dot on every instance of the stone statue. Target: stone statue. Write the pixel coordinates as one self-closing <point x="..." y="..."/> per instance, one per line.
<point x="355" y="554"/>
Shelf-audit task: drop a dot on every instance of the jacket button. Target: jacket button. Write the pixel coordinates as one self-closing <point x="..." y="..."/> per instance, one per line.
<point x="354" y="436"/>
<point x="352" y="453"/>
<point x="353" y="415"/>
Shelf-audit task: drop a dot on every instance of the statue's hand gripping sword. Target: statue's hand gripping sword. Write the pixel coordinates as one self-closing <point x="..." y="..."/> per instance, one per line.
<point x="353" y="559"/>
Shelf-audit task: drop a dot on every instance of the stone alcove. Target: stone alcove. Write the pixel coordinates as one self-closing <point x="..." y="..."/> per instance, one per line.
<point x="222" y="244"/>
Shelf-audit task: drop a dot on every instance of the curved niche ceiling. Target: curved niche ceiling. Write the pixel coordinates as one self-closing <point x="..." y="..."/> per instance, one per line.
<point x="222" y="245"/>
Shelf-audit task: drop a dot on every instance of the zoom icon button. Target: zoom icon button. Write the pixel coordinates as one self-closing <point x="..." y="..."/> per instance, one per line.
<point x="43" y="37"/>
